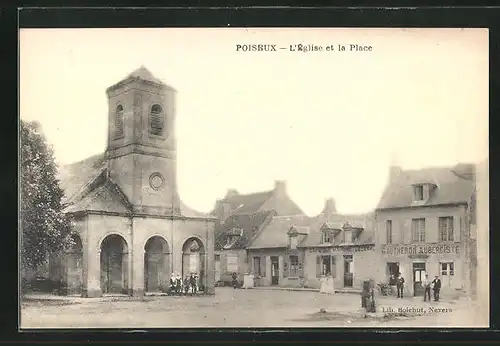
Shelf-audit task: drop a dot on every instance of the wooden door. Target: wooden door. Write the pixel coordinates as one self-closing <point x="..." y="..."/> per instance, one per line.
<point x="418" y="277"/>
<point x="275" y="270"/>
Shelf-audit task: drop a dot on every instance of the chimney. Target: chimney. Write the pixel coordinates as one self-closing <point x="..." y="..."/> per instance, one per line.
<point x="222" y="210"/>
<point x="231" y="193"/>
<point x="280" y="187"/>
<point x="394" y="172"/>
<point x="330" y="207"/>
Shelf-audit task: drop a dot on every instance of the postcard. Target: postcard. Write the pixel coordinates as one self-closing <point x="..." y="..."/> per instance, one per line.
<point x="254" y="177"/>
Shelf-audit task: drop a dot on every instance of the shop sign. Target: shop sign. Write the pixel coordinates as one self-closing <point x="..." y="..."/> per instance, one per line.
<point x="424" y="249"/>
<point x="353" y="248"/>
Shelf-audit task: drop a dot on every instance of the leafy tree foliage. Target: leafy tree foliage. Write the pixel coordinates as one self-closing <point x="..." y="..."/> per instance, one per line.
<point x="44" y="227"/>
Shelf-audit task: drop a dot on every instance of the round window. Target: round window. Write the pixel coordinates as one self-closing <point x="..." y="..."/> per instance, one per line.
<point x="156" y="181"/>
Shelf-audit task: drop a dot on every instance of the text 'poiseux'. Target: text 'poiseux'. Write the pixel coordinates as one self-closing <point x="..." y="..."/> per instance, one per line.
<point x="304" y="48"/>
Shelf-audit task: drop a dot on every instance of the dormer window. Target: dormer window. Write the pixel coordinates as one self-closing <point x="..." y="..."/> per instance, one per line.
<point x="348" y="236"/>
<point x="293" y="242"/>
<point x="418" y="192"/>
<point x="327" y="237"/>
<point x="232" y="237"/>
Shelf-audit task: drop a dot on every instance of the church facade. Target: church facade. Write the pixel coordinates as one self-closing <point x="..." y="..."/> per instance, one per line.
<point x="131" y="229"/>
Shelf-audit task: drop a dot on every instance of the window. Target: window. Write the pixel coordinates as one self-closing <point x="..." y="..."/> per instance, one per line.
<point x="418" y="192"/>
<point x="348" y="236"/>
<point x="256" y="266"/>
<point x="393" y="269"/>
<point x="325" y="265"/>
<point x="447" y="268"/>
<point x="418" y="230"/>
<point x="119" y="121"/>
<point x="294" y="266"/>
<point x="388" y="231"/>
<point x="156" y="120"/>
<point x="327" y="237"/>
<point x="446" y="228"/>
<point x="232" y="263"/>
<point x="293" y="242"/>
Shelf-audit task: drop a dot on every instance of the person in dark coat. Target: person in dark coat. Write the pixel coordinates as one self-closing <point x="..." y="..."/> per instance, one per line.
<point x="235" y="282"/>
<point x="436" y="287"/>
<point x="192" y="282"/>
<point x="400" y="284"/>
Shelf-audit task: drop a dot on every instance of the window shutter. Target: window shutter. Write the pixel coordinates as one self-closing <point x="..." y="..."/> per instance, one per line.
<point x="285" y="268"/>
<point x="318" y="266"/>
<point x="334" y="267"/>
<point x="156" y="120"/>
<point x="263" y="266"/>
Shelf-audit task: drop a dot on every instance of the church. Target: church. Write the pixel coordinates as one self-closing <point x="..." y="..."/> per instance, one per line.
<point x="131" y="230"/>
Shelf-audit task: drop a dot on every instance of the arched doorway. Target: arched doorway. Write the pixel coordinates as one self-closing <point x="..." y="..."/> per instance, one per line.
<point x="114" y="265"/>
<point x="156" y="265"/>
<point x="193" y="260"/>
<point x="73" y="257"/>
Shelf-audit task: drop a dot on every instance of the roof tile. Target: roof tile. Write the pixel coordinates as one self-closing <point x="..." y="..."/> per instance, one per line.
<point x="452" y="188"/>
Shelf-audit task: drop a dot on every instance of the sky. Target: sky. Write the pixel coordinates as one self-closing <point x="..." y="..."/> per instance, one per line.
<point x="328" y="123"/>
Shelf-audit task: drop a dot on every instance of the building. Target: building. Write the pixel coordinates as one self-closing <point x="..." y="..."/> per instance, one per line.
<point x="298" y="251"/>
<point x="233" y="236"/>
<point x="276" y="199"/>
<point x="240" y="218"/>
<point x="423" y="228"/>
<point x="131" y="230"/>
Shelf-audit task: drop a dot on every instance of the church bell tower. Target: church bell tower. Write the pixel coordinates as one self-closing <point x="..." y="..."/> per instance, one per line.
<point x="141" y="149"/>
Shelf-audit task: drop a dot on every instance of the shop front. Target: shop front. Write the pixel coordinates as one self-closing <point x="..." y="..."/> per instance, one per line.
<point x="414" y="261"/>
<point x="348" y="265"/>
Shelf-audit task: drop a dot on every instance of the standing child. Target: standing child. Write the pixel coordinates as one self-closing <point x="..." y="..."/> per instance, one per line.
<point x="178" y="284"/>
<point x="186" y="285"/>
<point x="172" y="284"/>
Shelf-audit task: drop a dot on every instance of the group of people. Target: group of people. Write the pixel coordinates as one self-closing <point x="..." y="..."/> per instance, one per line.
<point x="434" y="285"/>
<point x="178" y="286"/>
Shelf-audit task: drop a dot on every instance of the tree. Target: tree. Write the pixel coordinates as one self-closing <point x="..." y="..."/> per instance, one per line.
<point x="44" y="228"/>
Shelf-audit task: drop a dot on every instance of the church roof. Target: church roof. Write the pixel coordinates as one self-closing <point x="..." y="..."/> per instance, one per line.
<point x="73" y="177"/>
<point x="87" y="187"/>
<point x="104" y="197"/>
<point x="144" y="74"/>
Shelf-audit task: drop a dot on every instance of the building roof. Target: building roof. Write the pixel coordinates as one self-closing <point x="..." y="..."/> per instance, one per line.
<point x="144" y="74"/>
<point x="454" y="185"/>
<point x="276" y="233"/>
<point x="104" y="197"/>
<point x="87" y="187"/>
<point x="363" y="223"/>
<point x="243" y="226"/>
<point x="247" y="204"/>
<point x="75" y="176"/>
